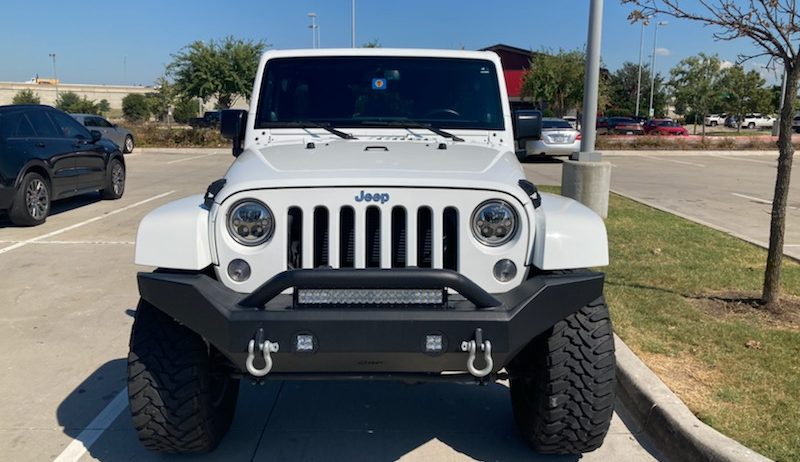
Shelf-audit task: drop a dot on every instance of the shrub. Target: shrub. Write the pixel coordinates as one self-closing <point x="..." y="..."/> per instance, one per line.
<point x="26" y="97"/>
<point x="135" y="107"/>
<point x="71" y="102"/>
<point x="185" y="109"/>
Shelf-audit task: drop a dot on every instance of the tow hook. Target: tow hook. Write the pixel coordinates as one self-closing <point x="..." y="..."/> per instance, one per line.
<point x="471" y="347"/>
<point x="266" y="348"/>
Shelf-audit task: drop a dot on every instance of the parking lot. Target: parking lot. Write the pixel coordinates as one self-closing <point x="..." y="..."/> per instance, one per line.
<point x="69" y="290"/>
<point x="729" y="191"/>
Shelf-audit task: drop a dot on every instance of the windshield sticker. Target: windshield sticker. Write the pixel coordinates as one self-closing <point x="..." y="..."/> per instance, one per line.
<point x="379" y="84"/>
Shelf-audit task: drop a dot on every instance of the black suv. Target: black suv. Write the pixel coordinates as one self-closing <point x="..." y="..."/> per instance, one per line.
<point x="46" y="155"/>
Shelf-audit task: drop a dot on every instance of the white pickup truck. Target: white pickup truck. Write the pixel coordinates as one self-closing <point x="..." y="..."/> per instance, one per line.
<point x="374" y="224"/>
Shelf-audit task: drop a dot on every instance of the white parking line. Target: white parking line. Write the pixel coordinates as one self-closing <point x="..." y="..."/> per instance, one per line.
<point x="78" y="447"/>
<point x="735" y="158"/>
<point x="191" y="158"/>
<point x="78" y="225"/>
<point x="761" y="201"/>
<point x="73" y="242"/>
<point x="673" y="160"/>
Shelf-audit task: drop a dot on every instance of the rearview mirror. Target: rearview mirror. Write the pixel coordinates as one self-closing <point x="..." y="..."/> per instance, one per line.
<point x="527" y="125"/>
<point x="232" y="126"/>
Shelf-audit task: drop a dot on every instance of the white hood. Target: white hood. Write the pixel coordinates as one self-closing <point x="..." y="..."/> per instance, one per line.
<point x="376" y="163"/>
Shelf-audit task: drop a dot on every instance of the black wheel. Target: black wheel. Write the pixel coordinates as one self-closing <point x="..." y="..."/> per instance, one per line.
<point x="751" y="125"/>
<point x="128" y="145"/>
<point x="31" y="201"/>
<point x="713" y="123"/>
<point x="562" y="390"/>
<point x="182" y="397"/>
<point x="115" y="180"/>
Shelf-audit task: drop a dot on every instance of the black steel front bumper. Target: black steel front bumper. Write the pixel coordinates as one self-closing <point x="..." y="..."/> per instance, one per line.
<point x="363" y="340"/>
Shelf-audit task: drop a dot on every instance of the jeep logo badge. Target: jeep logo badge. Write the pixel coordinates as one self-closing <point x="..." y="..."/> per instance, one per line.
<point x="374" y="197"/>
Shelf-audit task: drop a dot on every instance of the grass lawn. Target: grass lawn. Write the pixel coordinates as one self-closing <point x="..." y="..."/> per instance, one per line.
<point x="737" y="367"/>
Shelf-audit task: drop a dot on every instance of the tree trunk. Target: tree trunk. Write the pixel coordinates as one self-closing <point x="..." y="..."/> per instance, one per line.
<point x="772" y="274"/>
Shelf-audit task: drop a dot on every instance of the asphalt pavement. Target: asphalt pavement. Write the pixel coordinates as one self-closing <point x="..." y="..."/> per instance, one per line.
<point x="69" y="290"/>
<point x="729" y="191"/>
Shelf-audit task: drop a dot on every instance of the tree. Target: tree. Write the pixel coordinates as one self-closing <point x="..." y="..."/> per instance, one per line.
<point x="223" y="69"/>
<point x="622" y="88"/>
<point x="696" y="82"/>
<point x="103" y="107"/>
<point x="26" y="97"/>
<point x="185" y="109"/>
<point x="163" y="99"/>
<point x="743" y="92"/>
<point x="555" y="80"/>
<point x="135" y="107"/>
<point x="774" y="28"/>
<point x="374" y="43"/>
<point x="71" y="102"/>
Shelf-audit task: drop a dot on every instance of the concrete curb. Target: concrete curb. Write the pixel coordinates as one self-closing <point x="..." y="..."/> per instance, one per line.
<point x="755" y="242"/>
<point x="670" y="425"/>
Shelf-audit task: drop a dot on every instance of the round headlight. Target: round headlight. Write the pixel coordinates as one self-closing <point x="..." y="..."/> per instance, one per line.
<point x="250" y="222"/>
<point x="494" y="222"/>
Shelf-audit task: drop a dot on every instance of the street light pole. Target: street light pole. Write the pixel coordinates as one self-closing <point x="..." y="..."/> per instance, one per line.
<point x="641" y="55"/>
<point x="353" y="24"/>
<point x="313" y="28"/>
<point x="650" y="112"/>
<point x="592" y="76"/>
<point x="55" y="74"/>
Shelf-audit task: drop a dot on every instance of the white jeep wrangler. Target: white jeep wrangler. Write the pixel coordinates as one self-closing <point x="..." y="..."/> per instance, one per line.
<point x="375" y="224"/>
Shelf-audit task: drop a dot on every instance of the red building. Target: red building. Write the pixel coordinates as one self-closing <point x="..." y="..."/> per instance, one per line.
<point x="516" y="61"/>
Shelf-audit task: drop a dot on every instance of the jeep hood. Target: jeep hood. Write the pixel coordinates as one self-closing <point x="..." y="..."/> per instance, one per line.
<point x="367" y="163"/>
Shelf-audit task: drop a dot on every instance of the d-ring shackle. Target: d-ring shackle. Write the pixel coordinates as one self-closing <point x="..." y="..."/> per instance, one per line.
<point x="266" y="349"/>
<point x="472" y="348"/>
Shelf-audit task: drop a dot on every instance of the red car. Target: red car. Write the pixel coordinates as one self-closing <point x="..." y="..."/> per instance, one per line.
<point x="663" y="127"/>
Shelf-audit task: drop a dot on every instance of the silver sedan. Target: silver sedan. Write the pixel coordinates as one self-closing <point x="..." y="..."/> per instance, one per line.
<point x="121" y="136"/>
<point x="559" y="138"/>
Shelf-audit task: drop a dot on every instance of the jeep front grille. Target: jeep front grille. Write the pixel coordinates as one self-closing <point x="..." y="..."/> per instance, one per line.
<point x="372" y="237"/>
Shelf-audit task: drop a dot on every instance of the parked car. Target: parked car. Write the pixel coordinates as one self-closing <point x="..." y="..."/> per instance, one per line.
<point x="572" y="121"/>
<point x="209" y="120"/>
<point x="730" y="121"/>
<point x="352" y="250"/>
<point x="121" y="136"/>
<point x="712" y="120"/>
<point x="46" y="155"/>
<point x="620" y="126"/>
<point x="558" y="139"/>
<point x="796" y="124"/>
<point x="753" y="121"/>
<point x="664" y="127"/>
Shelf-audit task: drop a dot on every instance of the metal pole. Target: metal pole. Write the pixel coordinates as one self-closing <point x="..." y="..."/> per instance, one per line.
<point x="592" y="76"/>
<point x="313" y="28"/>
<point x="353" y="24"/>
<point x="55" y="74"/>
<point x="641" y="54"/>
<point x="319" y="43"/>
<point x="650" y="112"/>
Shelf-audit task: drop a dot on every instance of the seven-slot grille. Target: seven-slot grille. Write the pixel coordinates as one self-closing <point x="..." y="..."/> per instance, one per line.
<point x="372" y="237"/>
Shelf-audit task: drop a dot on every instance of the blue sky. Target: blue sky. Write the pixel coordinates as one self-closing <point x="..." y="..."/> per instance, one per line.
<point x="113" y="42"/>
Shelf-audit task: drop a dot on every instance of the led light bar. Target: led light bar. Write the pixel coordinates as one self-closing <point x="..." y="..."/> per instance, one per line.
<point x="370" y="297"/>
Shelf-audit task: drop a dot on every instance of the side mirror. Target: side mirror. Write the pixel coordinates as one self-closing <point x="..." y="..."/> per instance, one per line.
<point x="527" y="125"/>
<point x="232" y="126"/>
<point x="96" y="135"/>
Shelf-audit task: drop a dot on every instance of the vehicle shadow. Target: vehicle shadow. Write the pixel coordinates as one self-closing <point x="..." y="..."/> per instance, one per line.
<point x="326" y="420"/>
<point x="59" y="206"/>
<point x="543" y="160"/>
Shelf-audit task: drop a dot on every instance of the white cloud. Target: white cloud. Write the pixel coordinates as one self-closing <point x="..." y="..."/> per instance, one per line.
<point x="726" y="64"/>
<point x="663" y="52"/>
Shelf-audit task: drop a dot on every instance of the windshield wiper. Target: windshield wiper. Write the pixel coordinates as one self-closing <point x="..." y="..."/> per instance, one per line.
<point x="408" y="123"/>
<point x="325" y="126"/>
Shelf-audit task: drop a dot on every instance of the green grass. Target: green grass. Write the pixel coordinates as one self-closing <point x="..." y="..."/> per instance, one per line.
<point x="660" y="263"/>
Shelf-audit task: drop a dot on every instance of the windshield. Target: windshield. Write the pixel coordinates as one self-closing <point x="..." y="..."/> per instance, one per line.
<point x="354" y="91"/>
<point x="555" y="123"/>
<point x="665" y="123"/>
